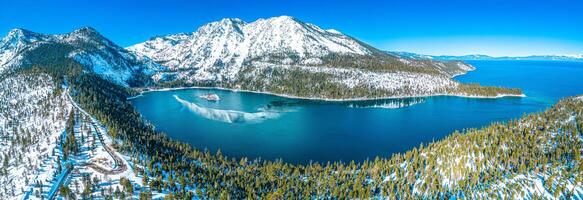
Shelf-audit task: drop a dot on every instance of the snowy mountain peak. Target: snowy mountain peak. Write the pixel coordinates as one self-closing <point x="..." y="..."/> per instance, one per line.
<point x="24" y="35"/>
<point x="224" y="26"/>
<point x="18" y="33"/>
<point x="87" y="35"/>
<point x="284" y="19"/>
<point x="14" y="42"/>
<point x="220" y="49"/>
<point x="85" y="30"/>
<point x="232" y="21"/>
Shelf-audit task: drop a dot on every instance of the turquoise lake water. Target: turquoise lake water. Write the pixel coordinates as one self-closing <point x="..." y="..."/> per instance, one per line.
<point x="259" y="125"/>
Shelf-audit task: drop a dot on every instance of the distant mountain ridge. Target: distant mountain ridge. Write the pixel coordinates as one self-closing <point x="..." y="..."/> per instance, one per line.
<point x="410" y="55"/>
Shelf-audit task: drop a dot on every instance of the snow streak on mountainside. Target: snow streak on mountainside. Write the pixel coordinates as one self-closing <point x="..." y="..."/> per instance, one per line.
<point x="85" y="45"/>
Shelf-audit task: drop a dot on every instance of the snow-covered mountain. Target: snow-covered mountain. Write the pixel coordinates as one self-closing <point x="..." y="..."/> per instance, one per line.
<point x="225" y="45"/>
<point x="269" y="54"/>
<point x="86" y="46"/>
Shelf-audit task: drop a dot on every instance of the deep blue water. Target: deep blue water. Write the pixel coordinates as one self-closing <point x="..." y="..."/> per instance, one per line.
<point x="271" y="127"/>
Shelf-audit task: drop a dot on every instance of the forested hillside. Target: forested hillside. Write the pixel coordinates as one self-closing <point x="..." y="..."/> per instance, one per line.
<point x="32" y="116"/>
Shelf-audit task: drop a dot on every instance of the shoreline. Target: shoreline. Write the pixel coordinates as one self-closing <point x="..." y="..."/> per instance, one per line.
<point x="323" y="99"/>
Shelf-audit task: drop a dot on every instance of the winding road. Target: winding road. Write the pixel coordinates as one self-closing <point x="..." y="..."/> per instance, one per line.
<point x="119" y="165"/>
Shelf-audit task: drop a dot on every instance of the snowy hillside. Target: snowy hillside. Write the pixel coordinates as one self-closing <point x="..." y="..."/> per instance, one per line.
<point x="32" y="116"/>
<point x="95" y="52"/>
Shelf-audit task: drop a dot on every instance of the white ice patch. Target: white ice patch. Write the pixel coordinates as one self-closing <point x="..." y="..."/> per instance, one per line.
<point x="228" y="116"/>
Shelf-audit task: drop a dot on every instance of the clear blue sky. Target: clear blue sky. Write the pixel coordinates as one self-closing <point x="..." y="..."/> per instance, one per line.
<point x="432" y="27"/>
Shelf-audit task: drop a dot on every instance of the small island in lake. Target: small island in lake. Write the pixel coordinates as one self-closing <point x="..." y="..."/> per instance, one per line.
<point x="210" y="97"/>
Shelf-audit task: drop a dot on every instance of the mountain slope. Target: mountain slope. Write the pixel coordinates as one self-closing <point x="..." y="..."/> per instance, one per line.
<point x="21" y="48"/>
<point x="286" y="56"/>
<point x="15" y="42"/>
